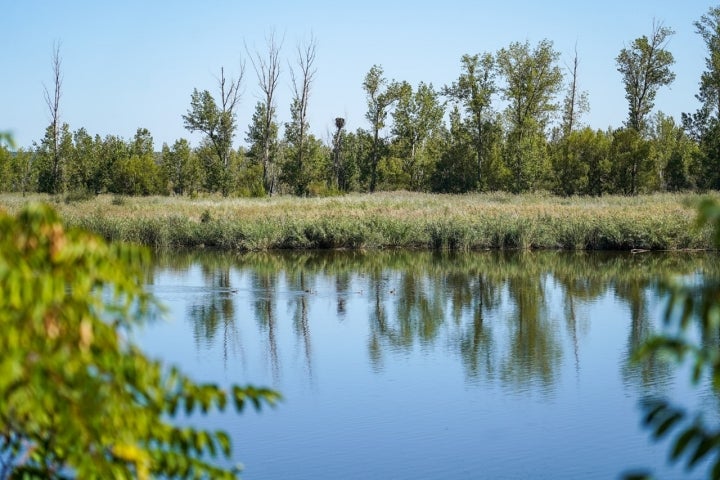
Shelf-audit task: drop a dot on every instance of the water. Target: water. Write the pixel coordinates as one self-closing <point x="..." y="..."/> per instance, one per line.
<point x="407" y="365"/>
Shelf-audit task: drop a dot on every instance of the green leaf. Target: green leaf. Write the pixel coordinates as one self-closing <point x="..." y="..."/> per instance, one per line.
<point x="666" y="424"/>
<point x="224" y="441"/>
<point x="682" y="442"/>
<point x="706" y="444"/>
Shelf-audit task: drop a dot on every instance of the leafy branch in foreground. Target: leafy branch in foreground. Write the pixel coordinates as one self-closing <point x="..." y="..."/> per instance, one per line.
<point x="79" y="400"/>
<point x="692" y="333"/>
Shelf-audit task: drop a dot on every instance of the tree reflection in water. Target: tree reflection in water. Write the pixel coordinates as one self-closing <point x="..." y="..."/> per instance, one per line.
<point x="491" y="308"/>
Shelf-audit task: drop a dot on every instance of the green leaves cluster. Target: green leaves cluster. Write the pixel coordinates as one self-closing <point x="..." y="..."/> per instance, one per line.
<point x="79" y="399"/>
<point x="692" y="323"/>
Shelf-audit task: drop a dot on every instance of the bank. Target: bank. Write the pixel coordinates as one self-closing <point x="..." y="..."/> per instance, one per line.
<point x="391" y="220"/>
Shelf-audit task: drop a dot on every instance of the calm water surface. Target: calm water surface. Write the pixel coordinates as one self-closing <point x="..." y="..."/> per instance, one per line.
<point x="413" y="365"/>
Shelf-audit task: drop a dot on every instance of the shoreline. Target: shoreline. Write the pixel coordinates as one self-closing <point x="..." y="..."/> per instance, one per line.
<point x="391" y="220"/>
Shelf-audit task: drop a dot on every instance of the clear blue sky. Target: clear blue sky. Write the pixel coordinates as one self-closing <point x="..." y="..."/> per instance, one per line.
<point x="133" y="63"/>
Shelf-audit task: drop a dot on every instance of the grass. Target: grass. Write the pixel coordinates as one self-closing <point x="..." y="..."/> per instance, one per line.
<point x="391" y="220"/>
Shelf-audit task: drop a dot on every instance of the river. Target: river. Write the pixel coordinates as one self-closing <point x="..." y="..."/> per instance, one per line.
<point x="410" y="365"/>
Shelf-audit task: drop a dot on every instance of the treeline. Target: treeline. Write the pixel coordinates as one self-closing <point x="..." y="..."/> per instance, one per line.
<point x="511" y="121"/>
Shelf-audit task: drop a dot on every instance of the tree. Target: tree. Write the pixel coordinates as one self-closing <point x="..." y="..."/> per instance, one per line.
<point x="457" y="159"/>
<point x="137" y="173"/>
<point x="113" y="150"/>
<point x="217" y="122"/>
<point x="417" y="119"/>
<point x="7" y="139"/>
<point x="82" y="163"/>
<point x="52" y="154"/>
<point x="339" y="178"/>
<point x="567" y="161"/>
<point x="181" y="168"/>
<point x="56" y="173"/>
<point x="267" y="69"/>
<point x="296" y="131"/>
<point x="532" y="80"/>
<point x="674" y="154"/>
<point x="704" y="125"/>
<point x="632" y="164"/>
<point x="380" y="94"/>
<point x="78" y="397"/>
<point x="645" y="67"/>
<point x="474" y="90"/>
<point x="576" y="102"/>
<point x="262" y="138"/>
<point x="594" y="151"/>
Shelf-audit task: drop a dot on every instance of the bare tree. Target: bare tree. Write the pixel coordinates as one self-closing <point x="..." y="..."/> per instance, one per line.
<point x="267" y="69"/>
<point x="52" y="99"/>
<point x="302" y="81"/>
<point x="576" y="101"/>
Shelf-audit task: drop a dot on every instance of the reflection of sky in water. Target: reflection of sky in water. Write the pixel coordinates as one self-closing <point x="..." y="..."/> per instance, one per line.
<point x="420" y="373"/>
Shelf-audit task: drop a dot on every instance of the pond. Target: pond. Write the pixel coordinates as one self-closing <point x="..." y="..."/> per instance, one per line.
<point x="407" y="365"/>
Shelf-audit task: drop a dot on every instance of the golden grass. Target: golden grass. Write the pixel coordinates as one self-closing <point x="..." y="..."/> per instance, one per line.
<point x="388" y="220"/>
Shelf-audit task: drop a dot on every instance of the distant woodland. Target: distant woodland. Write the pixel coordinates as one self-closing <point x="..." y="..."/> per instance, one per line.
<point x="511" y="121"/>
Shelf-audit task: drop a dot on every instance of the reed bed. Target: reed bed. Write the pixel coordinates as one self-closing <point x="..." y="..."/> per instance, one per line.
<point x="391" y="220"/>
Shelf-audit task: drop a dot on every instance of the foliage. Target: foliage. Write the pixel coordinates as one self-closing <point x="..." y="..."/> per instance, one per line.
<point x="386" y="220"/>
<point x="532" y="79"/>
<point x="692" y="322"/>
<point x="79" y="399"/>
<point x="474" y="90"/>
<point x="381" y="94"/>
<point x="417" y="122"/>
<point x="217" y="120"/>
<point x="645" y="67"/>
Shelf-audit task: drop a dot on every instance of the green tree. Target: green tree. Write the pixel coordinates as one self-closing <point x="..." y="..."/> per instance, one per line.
<point x="262" y="138"/>
<point x="82" y="164"/>
<point x="632" y="169"/>
<point x="532" y="81"/>
<point x="217" y="122"/>
<point x="5" y="169"/>
<point x="675" y="155"/>
<point x="181" y="168"/>
<point x="593" y="149"/>
<point x="380" y="94"/>
<point x="569" y="169"/>
<point x="52" y="154"/>
<point x="417" y="122"/>
<point x="79" y="399"/>
<point x="457" y="159"/>
<point x="645" y="67"/>
<point x="113" y="150"/>
<point x="7" y="139"/>
<point x="136" y="172"/>
<point x="473" y="91"/>
<point x="569" y="162"/>
<point x="339" y="179"/>
<point x="704" y="125"/>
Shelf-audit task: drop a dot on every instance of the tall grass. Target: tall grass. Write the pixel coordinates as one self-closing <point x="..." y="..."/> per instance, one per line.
<point x="392" y="220"/>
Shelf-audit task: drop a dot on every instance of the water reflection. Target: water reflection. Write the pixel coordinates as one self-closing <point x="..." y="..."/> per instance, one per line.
<point x="504" y="315"/>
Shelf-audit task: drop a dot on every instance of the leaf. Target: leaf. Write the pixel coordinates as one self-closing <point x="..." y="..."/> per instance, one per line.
<point x="224" y="441"/>
<point x="666" y="424"/>
<point x="702" y="449"/>
<point x="656" y="407"/>
<point x="682" y="442"/>
<point x="637" y="476"/>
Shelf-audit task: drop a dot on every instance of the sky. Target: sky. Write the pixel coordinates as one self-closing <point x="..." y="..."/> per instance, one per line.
<point x="134" y="63"/>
